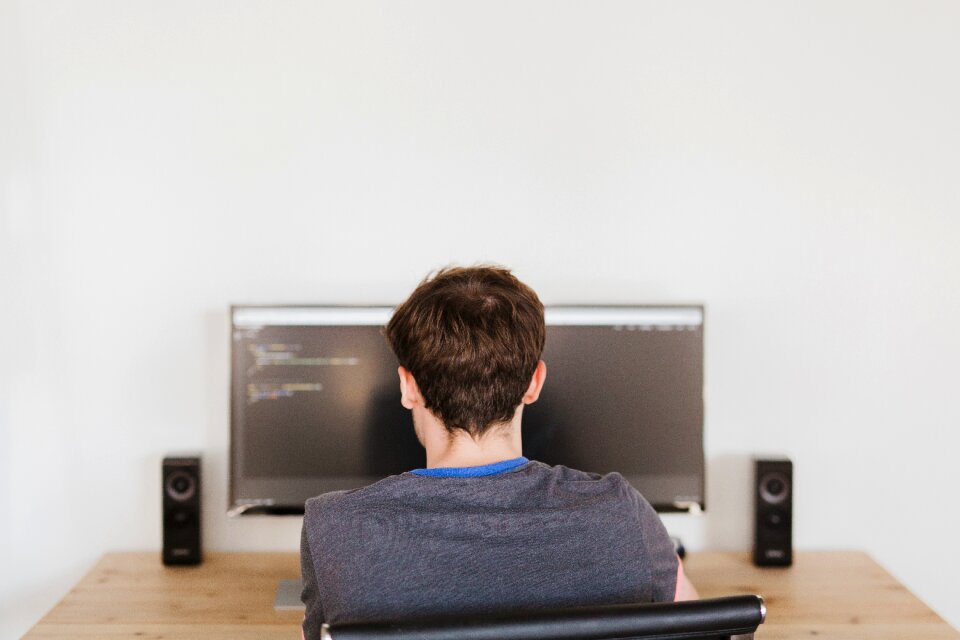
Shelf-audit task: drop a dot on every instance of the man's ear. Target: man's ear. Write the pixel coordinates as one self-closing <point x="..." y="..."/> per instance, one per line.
<point x="536" y="383"/>
<point x="409" y="391"/>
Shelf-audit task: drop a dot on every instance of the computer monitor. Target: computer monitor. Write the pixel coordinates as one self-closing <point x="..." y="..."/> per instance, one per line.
<point x="315" y="402"/>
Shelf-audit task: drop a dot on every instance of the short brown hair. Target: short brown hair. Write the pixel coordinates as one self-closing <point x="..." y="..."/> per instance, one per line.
<point x="472" y="338"/>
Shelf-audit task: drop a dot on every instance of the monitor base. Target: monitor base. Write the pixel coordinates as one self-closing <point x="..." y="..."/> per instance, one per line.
<point x="288" y="596"/>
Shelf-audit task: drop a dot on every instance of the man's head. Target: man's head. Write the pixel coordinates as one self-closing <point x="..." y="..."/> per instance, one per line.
<point x="472" y="338"/>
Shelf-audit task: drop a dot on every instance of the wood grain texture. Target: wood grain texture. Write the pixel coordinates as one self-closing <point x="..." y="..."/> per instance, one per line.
<point x="132" y="595"/>
<point x="830" y="594"/>
<point x="841" y="595"/>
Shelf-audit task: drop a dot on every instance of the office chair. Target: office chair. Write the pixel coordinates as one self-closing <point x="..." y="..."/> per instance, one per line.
<point x="714" y="619"/>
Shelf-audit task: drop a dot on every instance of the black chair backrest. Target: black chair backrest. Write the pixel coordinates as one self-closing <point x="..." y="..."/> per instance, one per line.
<point x="717" y="618"/>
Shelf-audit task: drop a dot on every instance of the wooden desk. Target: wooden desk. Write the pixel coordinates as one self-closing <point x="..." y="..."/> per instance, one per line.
<point x="841" y="595"/>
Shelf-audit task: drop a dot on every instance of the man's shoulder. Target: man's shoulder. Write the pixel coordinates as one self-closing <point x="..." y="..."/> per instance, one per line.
<point x="586" y="480"/>
<point x="340" y="500"/>
<point x="575" y="475"/>
<point x="611" y="490"/>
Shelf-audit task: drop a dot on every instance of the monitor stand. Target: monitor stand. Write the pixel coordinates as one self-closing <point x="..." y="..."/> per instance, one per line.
<point x="288" y="596"/>
<point x="678" y="547"/>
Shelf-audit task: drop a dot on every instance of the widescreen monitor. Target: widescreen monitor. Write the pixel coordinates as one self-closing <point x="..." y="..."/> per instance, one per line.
<point x="315" y="402"/>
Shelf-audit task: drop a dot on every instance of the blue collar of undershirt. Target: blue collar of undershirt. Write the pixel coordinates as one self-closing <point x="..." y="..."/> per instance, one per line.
<point x="473" y="472"/>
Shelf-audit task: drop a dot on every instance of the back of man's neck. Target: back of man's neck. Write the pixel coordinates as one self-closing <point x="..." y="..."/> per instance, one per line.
<point x="457" y="448"/>
<point x="472" y="458"/>
<point x="462" y="450"/>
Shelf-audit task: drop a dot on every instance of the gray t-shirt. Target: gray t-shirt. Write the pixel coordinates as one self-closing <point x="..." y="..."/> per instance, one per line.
<point x="536" y="537"/>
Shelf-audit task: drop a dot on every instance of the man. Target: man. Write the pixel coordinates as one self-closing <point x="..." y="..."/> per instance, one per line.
<point x="480" y="529"/>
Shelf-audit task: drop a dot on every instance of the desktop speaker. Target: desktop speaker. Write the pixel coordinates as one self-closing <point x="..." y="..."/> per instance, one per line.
<point x="773" y="512"/>
<point x="181" y="510"/>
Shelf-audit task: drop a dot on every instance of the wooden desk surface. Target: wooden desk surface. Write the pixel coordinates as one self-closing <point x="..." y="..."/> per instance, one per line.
<point x="841" y="595"/>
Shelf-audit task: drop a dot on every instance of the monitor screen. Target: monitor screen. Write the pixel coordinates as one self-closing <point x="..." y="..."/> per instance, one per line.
<point x="315" y="402"/>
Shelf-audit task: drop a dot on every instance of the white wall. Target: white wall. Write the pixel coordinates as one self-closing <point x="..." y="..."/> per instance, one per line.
<point x="794" y="166"/>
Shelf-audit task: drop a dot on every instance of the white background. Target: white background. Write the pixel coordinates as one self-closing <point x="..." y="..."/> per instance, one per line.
<point x="793" y="166"/>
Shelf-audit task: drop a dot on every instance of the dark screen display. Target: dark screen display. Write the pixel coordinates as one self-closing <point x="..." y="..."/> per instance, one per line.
<point x="316" y="402"/>
<point x="619" y="400"/>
